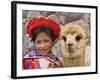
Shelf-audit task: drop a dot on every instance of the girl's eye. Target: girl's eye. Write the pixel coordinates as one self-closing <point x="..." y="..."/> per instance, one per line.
<point x="38" y="42"/>
<point x="64" y="38"/>
<point x="77" y="38"/>
<point x="46" y="40"/>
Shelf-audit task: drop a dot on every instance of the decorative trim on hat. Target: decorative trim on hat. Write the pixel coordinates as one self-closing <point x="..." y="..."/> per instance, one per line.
<point x="43" y="21"/>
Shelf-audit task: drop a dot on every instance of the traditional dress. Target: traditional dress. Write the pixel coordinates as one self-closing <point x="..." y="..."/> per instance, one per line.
<point x="34" y="60"/>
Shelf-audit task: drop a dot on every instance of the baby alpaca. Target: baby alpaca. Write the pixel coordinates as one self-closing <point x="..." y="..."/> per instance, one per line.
<point x="73" y="45"/>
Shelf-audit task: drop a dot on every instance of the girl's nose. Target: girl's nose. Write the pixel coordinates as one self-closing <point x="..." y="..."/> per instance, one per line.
<point x="42" y="45"/>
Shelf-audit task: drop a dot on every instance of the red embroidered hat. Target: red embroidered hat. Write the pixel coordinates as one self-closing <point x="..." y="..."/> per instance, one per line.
<point x="42" y="21"/>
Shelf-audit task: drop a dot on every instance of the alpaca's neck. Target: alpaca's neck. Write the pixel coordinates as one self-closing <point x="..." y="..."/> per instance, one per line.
<point x="74" y="62"/>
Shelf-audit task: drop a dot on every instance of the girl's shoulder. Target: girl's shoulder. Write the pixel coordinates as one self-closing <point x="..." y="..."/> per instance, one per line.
<point x="31" y="54"/>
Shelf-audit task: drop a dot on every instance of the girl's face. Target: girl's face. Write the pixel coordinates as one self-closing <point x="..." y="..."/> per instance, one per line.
<point x="43" y="44"/>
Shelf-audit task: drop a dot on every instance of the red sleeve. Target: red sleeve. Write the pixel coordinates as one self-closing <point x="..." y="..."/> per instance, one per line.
<point x="30" y="64"/>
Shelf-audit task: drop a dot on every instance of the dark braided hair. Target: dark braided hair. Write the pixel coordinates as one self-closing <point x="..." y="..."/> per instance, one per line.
<point x="44" y="29"/>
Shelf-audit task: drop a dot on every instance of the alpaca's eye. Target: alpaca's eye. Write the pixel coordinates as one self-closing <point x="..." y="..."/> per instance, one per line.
<point x="64" y="38"/>
<point x="78" y="38"/>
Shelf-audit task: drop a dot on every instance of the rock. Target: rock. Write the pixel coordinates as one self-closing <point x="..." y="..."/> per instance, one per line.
<point x="67" y="17"/>
<point x="88" y="56"/>
<point x="31" y="14"/>
<point x="54" y="17"/>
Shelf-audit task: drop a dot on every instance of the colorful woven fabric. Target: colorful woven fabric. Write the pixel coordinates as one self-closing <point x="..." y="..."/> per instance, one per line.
<point x="33" y="60"/>
<point x="43" y="21"/>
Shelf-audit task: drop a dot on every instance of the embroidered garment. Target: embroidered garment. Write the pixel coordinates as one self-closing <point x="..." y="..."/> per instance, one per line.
<point x="33" y="60"/>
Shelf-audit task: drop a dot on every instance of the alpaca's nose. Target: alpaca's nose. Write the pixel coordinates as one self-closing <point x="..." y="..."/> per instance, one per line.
<point x="70" y="45"/>
<point x="70" y="48"/>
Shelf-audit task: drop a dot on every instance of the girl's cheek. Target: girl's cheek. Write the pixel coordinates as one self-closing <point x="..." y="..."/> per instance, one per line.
<point x="37" y="48"/>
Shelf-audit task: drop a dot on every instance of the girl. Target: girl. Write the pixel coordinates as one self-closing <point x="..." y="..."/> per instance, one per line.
<point x="43" y="32"/>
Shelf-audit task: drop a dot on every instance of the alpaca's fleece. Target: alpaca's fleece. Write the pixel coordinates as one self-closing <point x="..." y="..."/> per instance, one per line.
<point x="73" y="45"/>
